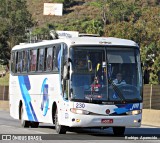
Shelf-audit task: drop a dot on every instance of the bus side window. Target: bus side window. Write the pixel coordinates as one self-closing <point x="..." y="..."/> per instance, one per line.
<point x="33" y="61"/>
<point x="41" y="60"/>
<point x="45" y="59"/>
<point x="13" y="62"/>
<point x="56" y="53"/>
<point x="49" y="61"/>
<point x="54" y="59"/>
<point x="16" y="63"/>
<point x="19" y="62"/>
<point x="24" y="61"/>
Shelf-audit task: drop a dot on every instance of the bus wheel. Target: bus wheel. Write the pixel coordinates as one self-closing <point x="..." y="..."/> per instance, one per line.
<point x="59" y="128"/>
<point x="24" y="123"/>
<point x="118" y="131"/>
<point x="34" y="124"/>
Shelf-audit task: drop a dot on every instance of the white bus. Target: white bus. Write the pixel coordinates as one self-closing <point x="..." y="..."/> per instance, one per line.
<point x="71" y="83"/>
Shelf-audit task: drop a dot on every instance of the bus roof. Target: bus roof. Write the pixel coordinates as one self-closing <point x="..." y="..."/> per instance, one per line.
<point x="81" y="41"/>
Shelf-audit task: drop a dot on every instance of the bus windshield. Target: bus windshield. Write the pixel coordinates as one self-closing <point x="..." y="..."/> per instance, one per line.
<point x="105" y="74"/>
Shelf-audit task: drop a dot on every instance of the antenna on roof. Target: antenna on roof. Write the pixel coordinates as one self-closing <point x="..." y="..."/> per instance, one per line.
<point x="63" y="34"/>
<point x="54" y="34"/>
<point x="88" y="35"/>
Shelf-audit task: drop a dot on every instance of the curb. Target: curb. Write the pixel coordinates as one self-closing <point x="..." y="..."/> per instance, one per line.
<point x="151" y="117"/>
<point x="4" y="105"/>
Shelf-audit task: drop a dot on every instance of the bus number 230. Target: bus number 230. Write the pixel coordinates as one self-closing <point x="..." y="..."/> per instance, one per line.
<point x="80" y="105"/>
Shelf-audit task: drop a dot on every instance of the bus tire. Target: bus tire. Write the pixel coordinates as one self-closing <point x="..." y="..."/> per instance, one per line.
<point x="34" y="124"/>
<point x="24" y="123"/>
<point x="118" y="131"/>
<point x="59" y="128"/>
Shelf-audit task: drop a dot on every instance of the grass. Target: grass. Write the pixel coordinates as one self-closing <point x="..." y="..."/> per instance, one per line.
<point x="4" y="81"/>
<point x="2" y="68"/>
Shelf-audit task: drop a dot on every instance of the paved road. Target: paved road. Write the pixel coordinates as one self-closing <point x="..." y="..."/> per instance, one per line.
<point x="11" y="126"/>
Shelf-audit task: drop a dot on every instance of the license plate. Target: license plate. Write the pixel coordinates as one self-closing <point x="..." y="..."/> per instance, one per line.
<point x="107" y="121"/>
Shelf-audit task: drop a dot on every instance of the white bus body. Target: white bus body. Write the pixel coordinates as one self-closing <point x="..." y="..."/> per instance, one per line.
<point x="52" y="93"/>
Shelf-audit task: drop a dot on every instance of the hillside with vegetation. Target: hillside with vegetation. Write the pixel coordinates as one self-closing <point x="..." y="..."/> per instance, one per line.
<point x="138" y="20"/>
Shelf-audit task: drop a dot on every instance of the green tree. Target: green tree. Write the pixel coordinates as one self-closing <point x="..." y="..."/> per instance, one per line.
<point x="102" y="5"/>
<point x="19" y="20"/>
<point x="139" y="22"/>
<point x="93" y="27"/>
<point x="66" y="3"/>
<point x="4" y="48"/>
<point x="41" y="33"/>
<point x="15" y="18"/>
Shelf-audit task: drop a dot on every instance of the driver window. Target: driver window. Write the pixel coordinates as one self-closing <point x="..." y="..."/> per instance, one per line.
<point x="122" y="62"/>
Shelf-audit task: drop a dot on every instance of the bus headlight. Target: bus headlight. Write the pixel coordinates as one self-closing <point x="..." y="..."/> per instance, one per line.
<point x="134" y="112"/>
<point x="79" y="111"/>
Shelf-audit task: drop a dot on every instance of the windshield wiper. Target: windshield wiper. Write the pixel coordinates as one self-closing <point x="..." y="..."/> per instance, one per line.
<point x="117" y="90"/>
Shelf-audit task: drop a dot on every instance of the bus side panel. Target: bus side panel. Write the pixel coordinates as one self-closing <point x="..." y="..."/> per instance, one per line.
<point x="38" y="93"/>
<point x="14" y="96"/>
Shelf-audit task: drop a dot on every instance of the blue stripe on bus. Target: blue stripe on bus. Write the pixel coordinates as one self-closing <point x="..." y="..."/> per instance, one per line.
<point x="126" y="107"/>
<point x="25" y="97"/>
<point x="33" y="112"/>
<point x="24" y="86"/>
<point x="27" y="82"/>
<point x="43" y="84"/>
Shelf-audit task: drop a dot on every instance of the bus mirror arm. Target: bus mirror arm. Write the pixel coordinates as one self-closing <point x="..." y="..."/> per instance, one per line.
<point x="66" y="70"/>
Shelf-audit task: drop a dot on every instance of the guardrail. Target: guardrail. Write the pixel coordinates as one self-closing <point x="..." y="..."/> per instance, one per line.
<point x="151" y="97"/>
<point x="4" y="92"/>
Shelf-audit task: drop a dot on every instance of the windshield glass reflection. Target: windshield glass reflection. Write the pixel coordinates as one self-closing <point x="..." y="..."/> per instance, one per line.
<point x="106" y="74"/>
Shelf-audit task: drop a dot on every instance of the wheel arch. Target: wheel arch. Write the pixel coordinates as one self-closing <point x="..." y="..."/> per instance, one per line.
<point x="54" y="107"/>
<point x="20" y="106"/>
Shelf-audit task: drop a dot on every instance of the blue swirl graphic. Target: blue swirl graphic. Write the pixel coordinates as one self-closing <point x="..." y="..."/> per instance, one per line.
<point x="45" y="100"/>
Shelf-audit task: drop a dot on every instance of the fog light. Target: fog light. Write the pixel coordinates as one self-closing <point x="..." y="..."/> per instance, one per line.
<point x="78" y="120"/>
<point x="135" y="121"/>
